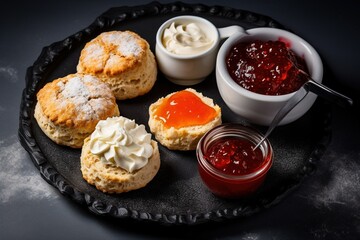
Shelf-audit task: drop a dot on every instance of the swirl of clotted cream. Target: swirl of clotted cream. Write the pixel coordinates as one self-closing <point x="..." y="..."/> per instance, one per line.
<point x="121" y="142"/>
<point x="185" y="39"/>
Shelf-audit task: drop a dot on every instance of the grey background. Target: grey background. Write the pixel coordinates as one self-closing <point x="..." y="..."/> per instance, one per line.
<point x="325" y="206"/>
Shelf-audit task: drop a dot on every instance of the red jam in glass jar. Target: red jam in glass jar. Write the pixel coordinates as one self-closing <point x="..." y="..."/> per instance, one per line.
<point x="266" y="67"/>
<point x="234" y="156"/>
<point x="228" y="165"/>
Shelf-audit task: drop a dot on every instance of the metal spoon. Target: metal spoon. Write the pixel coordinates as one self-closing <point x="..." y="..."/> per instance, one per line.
<point x="312" y="86"/>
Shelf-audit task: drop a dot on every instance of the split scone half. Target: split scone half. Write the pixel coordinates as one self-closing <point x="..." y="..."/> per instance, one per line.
<point x="123" y="60"/>
<point x="180" y="119"/>
<point x="68" y="108"/>
<point x="119" y="156"/>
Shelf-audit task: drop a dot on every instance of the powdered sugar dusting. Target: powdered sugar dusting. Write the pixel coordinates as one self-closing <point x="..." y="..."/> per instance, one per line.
<point x="87" y="94"/>
<point x="250" y="236"/>
<point x="97" y="104"/>
<point x="125" y="42"/>
<point x="75" y="88"/>
<point x="9" y="73"/>
<point x="342" y="186"/>
<point x="113" y="61"/>
<point x="95" y="54"/>
<point x="18" y="177"/>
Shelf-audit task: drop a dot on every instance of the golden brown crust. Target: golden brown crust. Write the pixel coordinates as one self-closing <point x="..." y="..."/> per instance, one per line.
<point x="121" y="59"/>
<point x="185" y="138"/>
<point x="113" y="179"/>
<point x="103" y="54"/>
<point x="69" y="108"/>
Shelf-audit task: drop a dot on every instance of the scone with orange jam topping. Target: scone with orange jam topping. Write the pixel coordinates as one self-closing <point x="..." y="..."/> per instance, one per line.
<point x="123" y="60"/>
<point x="69" y="108"/>
<point x="119" y="156"/>
<point x="179" y="120"/>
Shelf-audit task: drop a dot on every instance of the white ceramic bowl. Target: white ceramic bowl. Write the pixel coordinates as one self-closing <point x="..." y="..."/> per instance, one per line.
<point x="258" y="108"/>
<point x="191" y="69"/>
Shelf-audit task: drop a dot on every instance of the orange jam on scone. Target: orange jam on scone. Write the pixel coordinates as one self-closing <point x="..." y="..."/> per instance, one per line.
<point x="184" y="109"/>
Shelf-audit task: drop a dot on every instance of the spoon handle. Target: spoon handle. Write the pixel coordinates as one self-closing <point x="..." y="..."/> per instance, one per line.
<point x="293" y="101"/>
<point x="312" y="86"/>
<point x="327" y="93"/>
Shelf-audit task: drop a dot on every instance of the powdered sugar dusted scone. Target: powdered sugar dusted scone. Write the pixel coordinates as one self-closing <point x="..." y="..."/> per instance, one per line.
<point x="179" y="120"/>
<point x="69" y="108"/>
<point x="123" y="60"/>
<point x="119" y="156"/>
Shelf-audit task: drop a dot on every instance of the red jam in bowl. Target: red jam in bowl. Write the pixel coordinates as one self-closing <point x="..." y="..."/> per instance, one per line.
<point x="266" y="67"/>
<point x="228" y="165"/>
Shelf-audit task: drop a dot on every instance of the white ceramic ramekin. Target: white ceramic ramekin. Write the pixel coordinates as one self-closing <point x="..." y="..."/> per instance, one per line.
<point x="258" y="108"/>
<point x="191" y="69"/>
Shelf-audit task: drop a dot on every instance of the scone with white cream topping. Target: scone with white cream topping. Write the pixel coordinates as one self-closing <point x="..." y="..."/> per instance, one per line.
<point x="123" y="60"/>
<point x="119" y="156"/>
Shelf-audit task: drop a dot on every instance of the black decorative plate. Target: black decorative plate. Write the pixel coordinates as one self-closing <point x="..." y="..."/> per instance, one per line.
<point x="177" y="194"/>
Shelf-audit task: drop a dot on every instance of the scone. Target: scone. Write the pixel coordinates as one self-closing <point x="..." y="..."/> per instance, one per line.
<point x="69" y="108"/>
<point x="123" y="60"/>
<point x="179" y="120"/>
<point x="119" y="156"/>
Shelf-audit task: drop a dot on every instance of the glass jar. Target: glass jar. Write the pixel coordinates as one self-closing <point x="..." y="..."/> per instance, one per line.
<point x="237" y="183"/>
